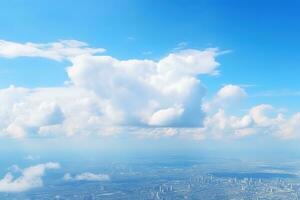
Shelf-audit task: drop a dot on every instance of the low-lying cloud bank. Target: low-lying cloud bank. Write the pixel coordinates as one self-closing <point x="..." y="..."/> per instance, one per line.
<point x="86" y="176"/>
<point x="29" y="178"/>
<point x="106" y="96"/>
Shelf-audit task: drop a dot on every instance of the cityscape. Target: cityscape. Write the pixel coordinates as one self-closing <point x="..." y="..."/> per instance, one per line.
<point x="167" y="180"/>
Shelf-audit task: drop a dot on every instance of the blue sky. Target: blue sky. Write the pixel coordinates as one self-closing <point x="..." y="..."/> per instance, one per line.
<point x="262" y="35"/>
<point x="260" y="38"/>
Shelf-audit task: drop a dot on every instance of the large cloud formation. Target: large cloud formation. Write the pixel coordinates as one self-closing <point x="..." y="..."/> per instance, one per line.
<point x="106" y="95"/>
<point x="106" y="92"/>
<point x="30" y="177"/>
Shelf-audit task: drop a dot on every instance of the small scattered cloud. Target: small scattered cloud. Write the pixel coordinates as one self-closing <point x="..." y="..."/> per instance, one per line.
<point x="226" y="96"/>
<point x="86" y="176"/>
<point x="29" y="178"/>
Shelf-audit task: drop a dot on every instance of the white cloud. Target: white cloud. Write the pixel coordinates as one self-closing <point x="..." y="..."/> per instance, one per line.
<point x="289" y="128"/>
<point x="163" y="132"/>
<point x="56" y="51"/>
<point x="165" y="117"/>
<point x="86" y="176"/>
<point x="189" y="61"/>
<point x="49" y="111"/>
<point x="105" y="92"/>
<point x="229" y="92"/>
<point x="107" y="96"/>
<point x="264" y="115"/>
<point x="262" y="119"/>
<point x="30" y="177"/>
<point x="226" y="96"/>
<point x="170" y="83"/>
<point x="26" y="111"/>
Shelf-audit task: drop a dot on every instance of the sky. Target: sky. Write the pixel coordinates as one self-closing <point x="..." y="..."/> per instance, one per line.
<point x="79" y="78"/>
<point x="149" y="69"/>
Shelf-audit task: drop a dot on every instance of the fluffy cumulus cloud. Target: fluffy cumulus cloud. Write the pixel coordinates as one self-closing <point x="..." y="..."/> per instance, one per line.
<point x="146" y="92"/>
<point x="86" y="176"/>
<point x="226" y="96"/>
<point x="48" y="111"/>
<point x="106" y="92"/>
<point x="289" y="128"/>
<point x="29" y="178"/>
<point x="106" y="96"/>
<point x="262" y="119"/>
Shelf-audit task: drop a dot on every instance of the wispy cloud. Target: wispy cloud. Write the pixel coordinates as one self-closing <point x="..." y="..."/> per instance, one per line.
<point x="278" y="93"/>
<point x="64" y="49"/>
<point x="131" y="38"/>
<point x="180" y="46"/>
